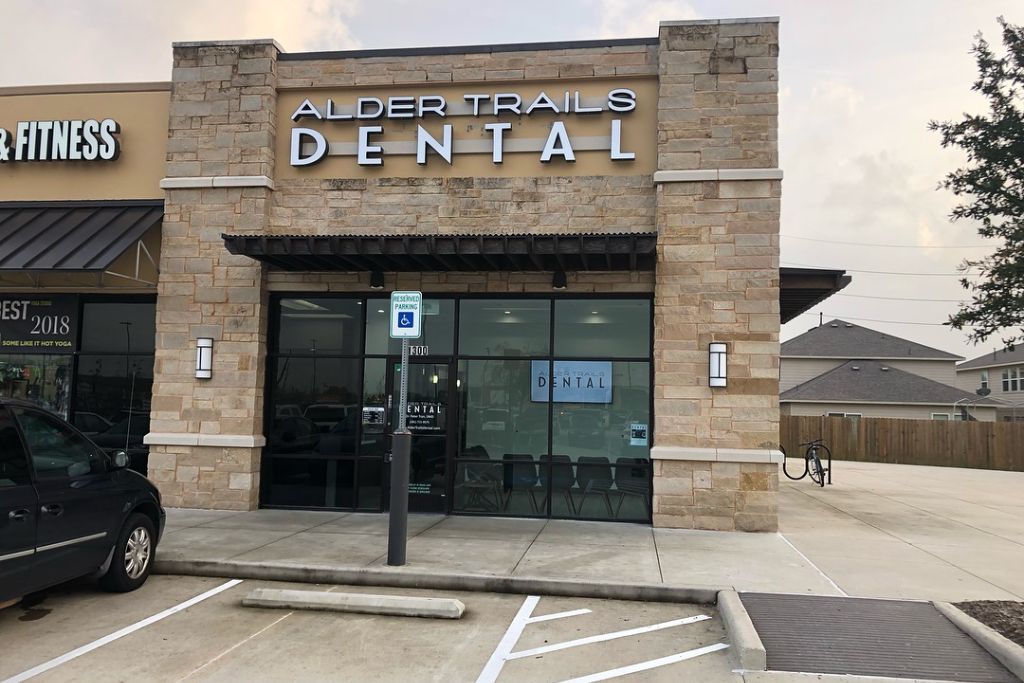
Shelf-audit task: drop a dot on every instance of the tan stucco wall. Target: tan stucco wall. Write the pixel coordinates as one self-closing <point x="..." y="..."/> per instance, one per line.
<point x="136" y="174"/>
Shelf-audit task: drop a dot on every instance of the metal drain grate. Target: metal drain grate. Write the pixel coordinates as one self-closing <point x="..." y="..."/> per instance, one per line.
<point x="858" y="636"/>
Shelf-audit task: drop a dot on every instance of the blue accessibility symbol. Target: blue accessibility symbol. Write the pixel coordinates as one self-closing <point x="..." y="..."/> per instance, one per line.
<point x="406" y="319"/>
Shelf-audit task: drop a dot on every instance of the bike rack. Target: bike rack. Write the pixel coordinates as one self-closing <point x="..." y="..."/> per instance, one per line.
<point x="785" y="458"/>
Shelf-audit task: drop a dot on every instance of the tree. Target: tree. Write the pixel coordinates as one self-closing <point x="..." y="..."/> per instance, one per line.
<point x="992" y="188"/>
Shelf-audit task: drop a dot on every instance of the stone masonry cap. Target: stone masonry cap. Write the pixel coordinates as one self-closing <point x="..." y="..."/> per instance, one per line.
<point x="716" y="22"/>
<point x="228" y="43"/>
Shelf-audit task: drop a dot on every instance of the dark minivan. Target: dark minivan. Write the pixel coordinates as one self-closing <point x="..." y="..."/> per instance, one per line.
<point x="67" y="509"/>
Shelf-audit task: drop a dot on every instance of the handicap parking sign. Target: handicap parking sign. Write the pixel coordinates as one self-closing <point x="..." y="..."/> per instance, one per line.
<point x="406" y="308"/>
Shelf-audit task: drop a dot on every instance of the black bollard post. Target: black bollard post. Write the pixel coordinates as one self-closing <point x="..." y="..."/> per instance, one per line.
<point x="398" y="520"/>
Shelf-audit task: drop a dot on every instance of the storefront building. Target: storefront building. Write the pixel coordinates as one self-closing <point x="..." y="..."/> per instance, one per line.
<point x="588" y="223"/>
<point x="80" y="214"/>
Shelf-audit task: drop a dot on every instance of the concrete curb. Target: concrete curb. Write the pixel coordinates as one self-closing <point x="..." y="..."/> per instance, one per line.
<point x="359" y="603"/>
<point x="411" y="578"/>
<point x="748" y="650"/>
<point x="1009" y="653"/>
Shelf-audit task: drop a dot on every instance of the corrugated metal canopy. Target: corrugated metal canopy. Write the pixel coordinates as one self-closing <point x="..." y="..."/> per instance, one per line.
<point x="800" y="288"/>
<point x="71" y="236"/>
<point x="443" y="253"/>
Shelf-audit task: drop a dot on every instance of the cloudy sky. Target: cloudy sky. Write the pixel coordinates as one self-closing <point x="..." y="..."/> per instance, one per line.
<point x="859" y="82"/>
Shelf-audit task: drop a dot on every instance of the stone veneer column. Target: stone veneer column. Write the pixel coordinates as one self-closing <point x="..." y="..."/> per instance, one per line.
<point x="206" y="435"/>
<point x="718" y="194"/>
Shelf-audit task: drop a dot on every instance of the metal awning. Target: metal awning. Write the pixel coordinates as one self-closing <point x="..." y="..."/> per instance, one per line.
<point x="467" y="253"/>
<point x="801" y="289"/>
<point x="46" y="237"/>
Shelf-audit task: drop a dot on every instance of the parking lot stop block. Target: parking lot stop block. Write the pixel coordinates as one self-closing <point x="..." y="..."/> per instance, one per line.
<point x="361" y="603"/>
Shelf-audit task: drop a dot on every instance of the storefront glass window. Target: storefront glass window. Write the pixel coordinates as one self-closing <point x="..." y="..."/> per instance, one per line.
<point x="503" y="434"/>
<point x="601" y="430"/>
<point x="118" y="327"/>
<point x="315" y="406"/>
<point x="504" y="327"/>
<point x="317" y="326"/>
<point x="40" y="378"/>
<point x="603" y="328"/>
<point x="112" y="401"/>
<point x="438" y="328"/>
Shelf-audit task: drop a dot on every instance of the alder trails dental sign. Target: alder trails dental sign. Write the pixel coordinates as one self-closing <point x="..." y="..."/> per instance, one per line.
<point x="463" y="132"/>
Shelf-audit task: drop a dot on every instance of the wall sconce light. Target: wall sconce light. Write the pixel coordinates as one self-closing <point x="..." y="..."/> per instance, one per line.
<point x="717" y="371"/>
<point x="204" y="358"/>
<point x="558" y="281"/>
<point x="376" y="280"/>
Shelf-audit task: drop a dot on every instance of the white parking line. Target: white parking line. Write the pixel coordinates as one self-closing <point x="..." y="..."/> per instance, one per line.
<point x="558" y="615"/>
<point x="650" y="664"/>
<point x="116" y="635"/>
<point x="493" y="667"/>
<point x="606" y="636"/>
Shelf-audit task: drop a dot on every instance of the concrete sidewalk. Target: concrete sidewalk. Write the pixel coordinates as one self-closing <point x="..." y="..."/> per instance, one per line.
<point x="880" y="531"/>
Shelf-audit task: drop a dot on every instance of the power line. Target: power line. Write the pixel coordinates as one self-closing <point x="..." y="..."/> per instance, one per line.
<point x="876" y="320"/>
<point x="901" y="298"/>
<point x="884" y="272"/>
<point x="889" y="246"/>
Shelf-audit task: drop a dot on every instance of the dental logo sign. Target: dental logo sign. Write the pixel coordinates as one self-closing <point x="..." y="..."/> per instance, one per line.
<point x="367" y="139"/>
<point x="69" y="140"/>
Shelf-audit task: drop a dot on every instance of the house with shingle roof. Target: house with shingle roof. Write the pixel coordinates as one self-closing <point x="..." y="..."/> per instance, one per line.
<point x="1002" y="373"/>
<point x="843" y="369"/>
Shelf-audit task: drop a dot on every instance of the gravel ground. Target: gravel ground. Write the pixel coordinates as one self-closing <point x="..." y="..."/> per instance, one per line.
<point x="1004" y="616"/>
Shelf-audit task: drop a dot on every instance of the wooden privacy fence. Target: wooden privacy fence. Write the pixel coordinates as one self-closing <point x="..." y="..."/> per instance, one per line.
<point x="983" y="445"/>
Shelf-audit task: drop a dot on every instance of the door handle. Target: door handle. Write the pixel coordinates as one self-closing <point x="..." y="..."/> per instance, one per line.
<point x="53" y="510"/>
<point x="19" y="515"/>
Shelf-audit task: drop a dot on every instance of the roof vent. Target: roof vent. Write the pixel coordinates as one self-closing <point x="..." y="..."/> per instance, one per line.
<point x="885" y="369"/>
<point x="833" y="325"/>
<point x="855" y="368"/>
<point x="848" y="325"/>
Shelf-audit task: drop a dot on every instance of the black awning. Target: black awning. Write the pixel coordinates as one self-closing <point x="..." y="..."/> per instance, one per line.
<point x="801" y="289"/>
<point x="71" y="236"/>
<point x="429" y="253"/>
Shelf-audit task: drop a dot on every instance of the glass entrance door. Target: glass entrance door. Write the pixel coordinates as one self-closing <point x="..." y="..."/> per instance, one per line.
<point x="428" y="418"/>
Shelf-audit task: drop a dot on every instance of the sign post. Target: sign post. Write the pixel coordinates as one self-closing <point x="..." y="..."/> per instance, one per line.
<point x="406" y="324"/>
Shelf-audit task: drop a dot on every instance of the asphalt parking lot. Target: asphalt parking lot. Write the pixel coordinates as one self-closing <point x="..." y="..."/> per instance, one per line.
<point x="500" y="638"/>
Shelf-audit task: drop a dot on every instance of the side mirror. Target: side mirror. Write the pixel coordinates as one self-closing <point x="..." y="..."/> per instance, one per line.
<point x="119" y="461"/>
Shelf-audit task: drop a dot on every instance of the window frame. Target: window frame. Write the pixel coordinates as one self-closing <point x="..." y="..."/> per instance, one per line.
<point x="30" y="472"/>
<point x="102" y="458"/>
<point x="273" y="354"/>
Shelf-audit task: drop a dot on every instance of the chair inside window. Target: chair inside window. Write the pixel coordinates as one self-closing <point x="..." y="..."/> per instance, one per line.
<point x="481" y="482"/>
<point x="594" y="475"/>
<point x="562" y="479"/>
<point x="631" y="479"/>
<point x="520" y="476"/>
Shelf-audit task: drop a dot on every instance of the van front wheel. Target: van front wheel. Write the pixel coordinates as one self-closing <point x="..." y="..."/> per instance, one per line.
<point x="133" y="556"/>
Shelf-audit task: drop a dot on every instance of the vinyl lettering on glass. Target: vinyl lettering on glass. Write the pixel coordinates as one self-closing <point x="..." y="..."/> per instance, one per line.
<point x="575" y="381"/>
<point x="39" y="325"/>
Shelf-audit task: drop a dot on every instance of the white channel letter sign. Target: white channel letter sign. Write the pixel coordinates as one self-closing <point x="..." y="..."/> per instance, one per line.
<point x="71" y="140"/>
<point x="406" y="315"/>
<point x="310" y="146"/>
